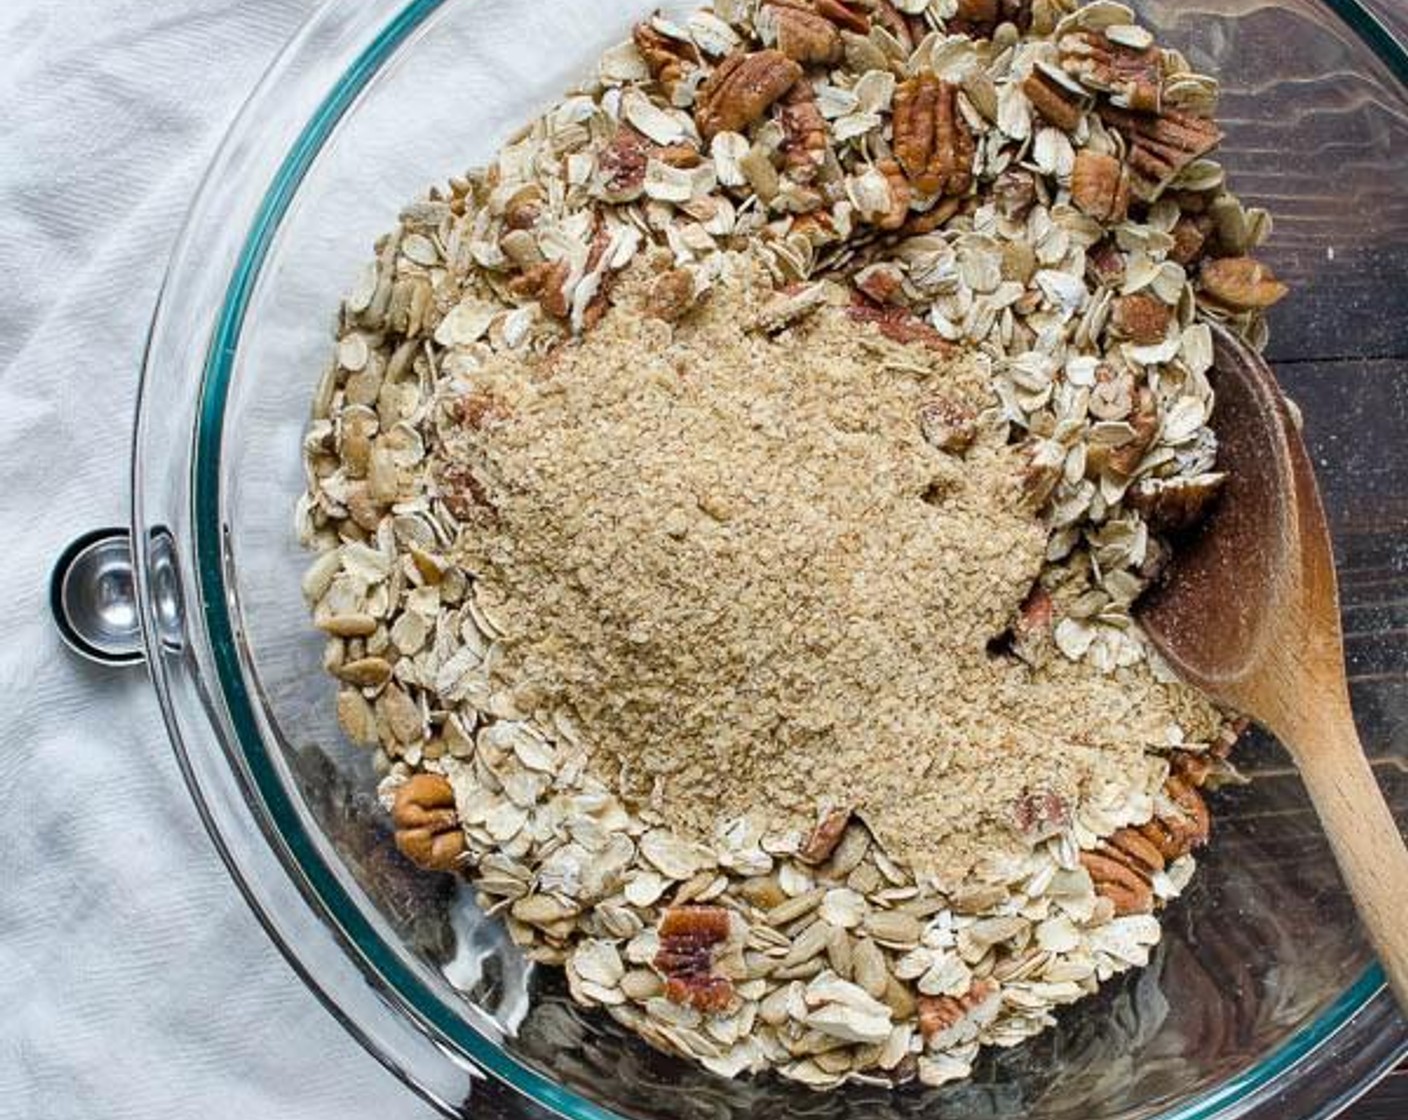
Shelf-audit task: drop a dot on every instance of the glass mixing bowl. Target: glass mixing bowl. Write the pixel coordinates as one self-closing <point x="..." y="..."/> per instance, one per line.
<point x="1262" y="1001"/>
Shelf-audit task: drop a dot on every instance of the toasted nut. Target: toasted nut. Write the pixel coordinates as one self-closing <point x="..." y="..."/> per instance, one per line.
<point x="804" y="143"/>
<point x="932" y="141"/>
<point x="1241" y="284"/>
<point x="1014" y="193"/>
<point x="1190" y="238"/>
<point x="900" y="193"/>
<point x="899" y="324"/>
<point x="803" y="34"/>
<point x="848" y="16"/>
<point x="525" y="207"/>
<point x="940" y="1013"/>
<point x="1160" y="145"/>
<point x="742" y="89"/>
<point x="824" y="838"/>
<point x="671" y="296"/>
<point x="1052" y="97"/>
<point x="948" y="424"/>
<point x="1174" y="504"/>
<point x="1141" y="318"/>
<point x="1132" y="75"/>
<point x="427" y="825"/>
<point x="688" y="937"/>
<point x="1135" y="850"/>
<point x="669" y="60"/>
<point x="1127" y="889"/>
<point x="1126" y="458"/>
<point x="1100" y="186"/>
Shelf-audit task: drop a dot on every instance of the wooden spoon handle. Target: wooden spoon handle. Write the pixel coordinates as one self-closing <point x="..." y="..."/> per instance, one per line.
<point x="1366" y="842"/>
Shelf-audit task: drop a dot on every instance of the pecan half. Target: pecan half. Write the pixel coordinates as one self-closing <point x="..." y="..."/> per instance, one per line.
<point x="688" y="938"/>
<point x="1160" y="145"/>
<point x="803" y="34"/>
<point x="1132" y="75"/>
<point x="1059" y="100"/>
<point x="825" y="836"/>
<point x="1130" y="892"/>
<point x="427" y="825"/>
<point x="1100" y="186"/>
<point x="742" y="89"/>
<point x="949" y="425"/>
<point x="668" y="60"/>
<point x="1141" y="318"/>
<point x="941" y="1013"/>
<point x="804" y="133"/>
<point x="1135" y="850"/>
<point x="932" y="141"/>
<point x="1241" y="284"/>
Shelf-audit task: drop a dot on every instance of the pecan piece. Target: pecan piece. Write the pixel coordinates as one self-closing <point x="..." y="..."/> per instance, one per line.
<point x="932" y="141"/>
<point x="427" y="825"/>
<point x="620" y="166"/>
<point x="1100" y="186"/>
<point x="845" y="14"/>
<point x="742" y="89"/>
<point x="525" y="207"/>
<point x="1190" y="238"/>
<point x="948" y="424"/>
<point x="898" y="324"/>
<point x="668" y="60"/>
<point x="1241" y="284"/>
<point x="1130" y="892"/>
<point x="882" y="282"/>
<point x="801" y="33"/>
<point x="1142" y="318"/>
<point x="1162" y="145"/>
<point x="804" y="133"/>
<point x="670" y="296"/>
<point x="1194" y="822"/>
<point x="1172" y="505"/>
<point x="1126" y="458"/>
<point x="1014" y="193"/>
<point x="1133" y="76"/>
<point x="1059" y="100"/>
<point x="978" y="19"/>
<point x="900" y="195"/>
<point x="825" y="836"/>
<point x="1039" y="816"/>
<point x="941" y="1013"/>
<point x="544" y="282"/>
<point x="688" y="937"/>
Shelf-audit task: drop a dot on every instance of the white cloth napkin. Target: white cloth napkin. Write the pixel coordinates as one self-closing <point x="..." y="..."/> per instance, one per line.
<point x="133" y="981"/>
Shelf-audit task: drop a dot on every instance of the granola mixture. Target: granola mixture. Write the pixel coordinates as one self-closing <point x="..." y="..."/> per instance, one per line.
<point x="729" y="504"/>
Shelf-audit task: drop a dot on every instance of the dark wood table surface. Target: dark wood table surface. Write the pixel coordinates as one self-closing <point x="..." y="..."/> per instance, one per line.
<point x="1388" y="1100"/>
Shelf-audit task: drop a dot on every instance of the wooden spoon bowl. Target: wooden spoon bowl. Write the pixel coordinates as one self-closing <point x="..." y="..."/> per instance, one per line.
<point x="1248" y="611"/>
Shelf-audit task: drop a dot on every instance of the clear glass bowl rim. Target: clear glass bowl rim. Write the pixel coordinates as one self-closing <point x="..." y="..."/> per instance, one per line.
<point x="270" y="802"/>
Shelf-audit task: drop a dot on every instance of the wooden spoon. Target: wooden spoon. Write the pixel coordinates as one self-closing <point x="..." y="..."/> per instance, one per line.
<point x="1249" y="612"/>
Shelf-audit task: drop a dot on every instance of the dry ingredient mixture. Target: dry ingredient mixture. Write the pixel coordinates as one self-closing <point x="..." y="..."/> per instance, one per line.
<point x="729" y="504"/>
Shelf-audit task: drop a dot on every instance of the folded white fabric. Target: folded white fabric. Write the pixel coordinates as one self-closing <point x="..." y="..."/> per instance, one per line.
<point x="133" y="981"/>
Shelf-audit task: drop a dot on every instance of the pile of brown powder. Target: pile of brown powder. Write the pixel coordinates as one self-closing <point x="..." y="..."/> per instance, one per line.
<point x="735" y="562"/>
